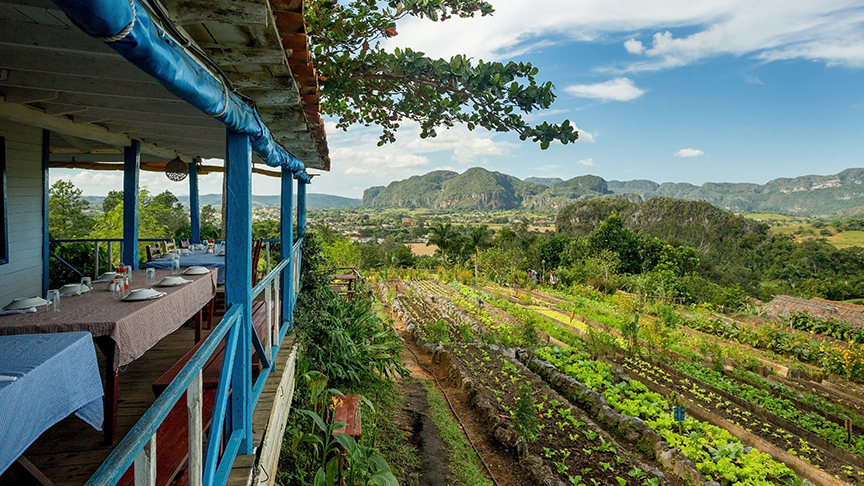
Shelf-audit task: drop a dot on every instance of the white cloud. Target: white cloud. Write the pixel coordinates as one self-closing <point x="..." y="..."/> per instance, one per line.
<point x="634" y="46"/>
<point x="689" y="152"/>
<point x="365" y="161"/>
<point x="618" y="89"/>
<point x="752" y="79"/>
<point x="827" y="31"/>
<point x="586" y="162"/>
<point x="585" y="136"/>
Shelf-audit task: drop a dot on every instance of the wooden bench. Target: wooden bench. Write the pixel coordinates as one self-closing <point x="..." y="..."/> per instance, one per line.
<point x="172" y="444"/>
<point x="212" y="369"/>
<point x="172" y="448"/>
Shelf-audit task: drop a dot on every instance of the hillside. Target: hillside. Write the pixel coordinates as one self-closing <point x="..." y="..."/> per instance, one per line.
<point x="478" y="188"/>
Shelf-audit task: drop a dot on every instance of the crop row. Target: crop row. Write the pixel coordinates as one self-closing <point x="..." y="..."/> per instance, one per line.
<point x="782" y="407"/>
<point x="552" y="429"/>
<point x="717" y="454"/>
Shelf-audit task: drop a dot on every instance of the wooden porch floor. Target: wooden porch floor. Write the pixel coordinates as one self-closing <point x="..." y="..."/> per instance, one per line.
<point x="70" y="452"/>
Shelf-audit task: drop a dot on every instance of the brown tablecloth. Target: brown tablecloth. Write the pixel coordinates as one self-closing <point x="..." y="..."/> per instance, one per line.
<point x="134" y="327"/>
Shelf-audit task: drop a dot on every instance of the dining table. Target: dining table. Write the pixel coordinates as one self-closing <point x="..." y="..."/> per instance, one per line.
<point x="197" y="258"/>
<point x="43" y="379"/>
<point x="123" y="330"/>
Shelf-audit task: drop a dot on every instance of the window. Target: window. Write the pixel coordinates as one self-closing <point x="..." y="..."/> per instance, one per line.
<point x="4" y="240"/>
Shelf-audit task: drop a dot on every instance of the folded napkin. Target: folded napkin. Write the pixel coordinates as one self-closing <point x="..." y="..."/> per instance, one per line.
<point x="70" y="294"/>
<point x="18" y="311"/>
<point x="104" y="280"/>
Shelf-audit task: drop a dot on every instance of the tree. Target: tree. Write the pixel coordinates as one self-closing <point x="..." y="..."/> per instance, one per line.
<point x="476" y="240"/>
<point x="211" y="223"/>
<point x="67" y="212"/>
<point x="362" y="83"/>
<point x="111" y="201"/>
<point x="445" y="237"/>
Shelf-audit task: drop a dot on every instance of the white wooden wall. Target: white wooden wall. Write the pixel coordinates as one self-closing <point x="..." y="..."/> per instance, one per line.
<point x="22" y="276"/>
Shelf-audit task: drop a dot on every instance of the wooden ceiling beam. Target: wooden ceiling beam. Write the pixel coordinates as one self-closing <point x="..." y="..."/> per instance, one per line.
<point x="86" y="85"/>
<point x="249" y="56"/>
<point x="233" y="12"/>
<point x="31" y="116"/>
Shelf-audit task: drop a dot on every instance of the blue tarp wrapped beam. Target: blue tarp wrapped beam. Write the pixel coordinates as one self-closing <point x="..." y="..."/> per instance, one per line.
<point x="128" y="29"/>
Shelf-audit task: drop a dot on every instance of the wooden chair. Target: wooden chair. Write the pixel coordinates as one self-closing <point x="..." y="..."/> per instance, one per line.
<point x="183" y="243"/>
<point x="152" y="253"/>
<point x="216" y="307"/>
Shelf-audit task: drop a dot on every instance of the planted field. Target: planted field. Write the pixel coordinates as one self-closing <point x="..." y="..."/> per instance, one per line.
<point x="642" y="359"/>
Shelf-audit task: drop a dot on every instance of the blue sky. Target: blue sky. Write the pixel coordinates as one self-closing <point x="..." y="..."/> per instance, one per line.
<point x="681" y="91"/>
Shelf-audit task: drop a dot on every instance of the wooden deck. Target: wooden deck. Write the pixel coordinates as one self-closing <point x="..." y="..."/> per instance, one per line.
<point x="71" y="451"/>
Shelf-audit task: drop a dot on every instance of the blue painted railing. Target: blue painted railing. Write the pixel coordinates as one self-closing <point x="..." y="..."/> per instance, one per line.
<point x="139" y="444"/>
<point x="130" y="448"/>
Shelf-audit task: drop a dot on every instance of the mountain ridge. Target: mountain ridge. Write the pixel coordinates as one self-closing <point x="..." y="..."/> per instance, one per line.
<point x="478" y="188"/>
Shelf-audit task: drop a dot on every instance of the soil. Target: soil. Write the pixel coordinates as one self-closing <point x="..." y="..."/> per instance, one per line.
<point x="427" y="439"/>
<point x="424" y="436"/>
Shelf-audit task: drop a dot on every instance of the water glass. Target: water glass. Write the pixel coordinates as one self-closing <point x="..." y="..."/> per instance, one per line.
<point x="129" y="272"/>
<point x="118" y="288"/>
<point x="53" y="301"/>
<point x="88" y="283"/>
<point x="150" y="276"/>
<point x="175" y="266"/>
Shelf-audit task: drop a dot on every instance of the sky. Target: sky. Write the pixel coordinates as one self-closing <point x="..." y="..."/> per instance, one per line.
<point x="666" y="90"/>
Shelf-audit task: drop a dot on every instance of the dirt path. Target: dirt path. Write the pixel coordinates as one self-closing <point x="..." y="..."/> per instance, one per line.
<point x="425" y="436"/>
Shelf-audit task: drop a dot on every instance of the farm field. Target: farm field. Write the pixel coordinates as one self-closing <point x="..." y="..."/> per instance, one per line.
<point x="765" y="402"/>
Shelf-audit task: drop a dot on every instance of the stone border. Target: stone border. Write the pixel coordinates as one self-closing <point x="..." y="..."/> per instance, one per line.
<point x="501" y="429"/>
<point x="631" y="429"/>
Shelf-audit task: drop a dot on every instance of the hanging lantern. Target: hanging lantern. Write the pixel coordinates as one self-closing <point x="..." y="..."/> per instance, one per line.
<point x="176" y="170"/>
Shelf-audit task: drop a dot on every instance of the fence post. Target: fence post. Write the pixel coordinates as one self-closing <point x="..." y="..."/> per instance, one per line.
<point x="96" y="260"/>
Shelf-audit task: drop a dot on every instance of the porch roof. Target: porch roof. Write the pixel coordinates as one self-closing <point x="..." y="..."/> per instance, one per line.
<point x="94" y="101"/>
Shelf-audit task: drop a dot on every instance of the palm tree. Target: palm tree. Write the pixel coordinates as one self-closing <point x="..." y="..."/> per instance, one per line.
<point x="477" y="239"/>
<point x="442" y="235"/>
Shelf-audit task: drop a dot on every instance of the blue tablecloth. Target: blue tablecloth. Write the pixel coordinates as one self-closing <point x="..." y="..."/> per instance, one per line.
<point x="55" y="374"/>
<point x="209" y="260"/>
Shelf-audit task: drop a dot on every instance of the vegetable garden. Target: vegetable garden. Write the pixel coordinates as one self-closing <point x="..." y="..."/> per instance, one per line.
<point x="600" y="382"/>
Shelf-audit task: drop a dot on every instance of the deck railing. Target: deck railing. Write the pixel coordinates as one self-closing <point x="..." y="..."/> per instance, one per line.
<point x="208" y="467"/>
<point x="99" y="264"/>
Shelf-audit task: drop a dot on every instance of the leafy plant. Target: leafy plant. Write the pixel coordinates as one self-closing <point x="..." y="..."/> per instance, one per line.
<point x="525" y="418"/>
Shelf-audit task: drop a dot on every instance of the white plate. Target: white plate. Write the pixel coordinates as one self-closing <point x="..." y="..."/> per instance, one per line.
<point x="143" y="294"/>
<point x="196" y="270"/>
<point x="172" y="281"/>
<point x="107" y="276"/>
<point x="25" y="303"/>
<point x="73" y="288"/>
<point x="221" y="253"/>
<point x="185" y="251"/>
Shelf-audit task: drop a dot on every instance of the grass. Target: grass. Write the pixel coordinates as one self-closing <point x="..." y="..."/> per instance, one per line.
<point x="847" y="239"/>
<point x="465" y="467"/>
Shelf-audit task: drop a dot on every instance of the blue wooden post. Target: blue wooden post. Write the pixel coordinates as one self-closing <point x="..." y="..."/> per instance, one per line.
<point x="46" y="152"/>
<point x="301" y="208"/>
<point x="287" y="236"/>
<point x="131" y="167"/>
<point x="238" y="279"/>
<point x="194" y="209"/>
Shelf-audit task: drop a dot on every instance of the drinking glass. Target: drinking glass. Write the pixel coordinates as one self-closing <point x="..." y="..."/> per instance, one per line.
<point x="86" y="282"/>
<point x="150" y="276"/>
<point x="175" y="266"/>
<point x="53" y="301"/>
<point x="117" y="289"/>
<point x="129" y="272"/>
